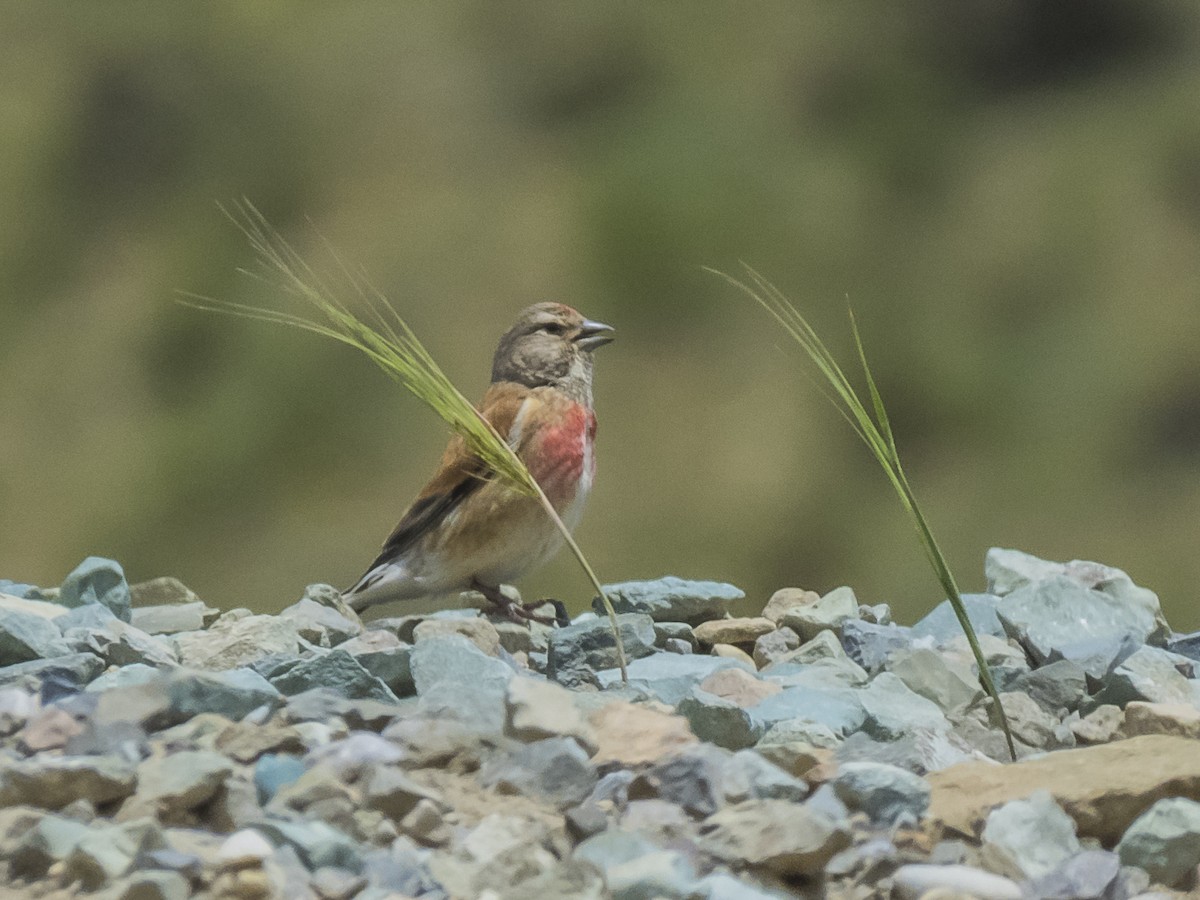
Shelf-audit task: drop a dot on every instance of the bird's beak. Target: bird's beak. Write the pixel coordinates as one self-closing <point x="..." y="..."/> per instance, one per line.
<point x="594" y="334"/>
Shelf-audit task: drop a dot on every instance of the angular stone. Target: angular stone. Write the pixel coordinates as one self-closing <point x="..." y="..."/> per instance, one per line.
<point x="691" y="779"/>
<point x="589" y="645"/>
<point x="1151" y="675"/>
<point x="1029" y="838"/>
<point x="47" y="842"/>
<point x="920" y="880"/>
<point x="176" y="696"/>
<point x="1100" y="726"/>
<point x="937" y="677"/>
<point x="1060" y="685"/>
<point x="1059" y="619"/>
<point x="1185" y="645"/>
<point x="733" y="631"/>
<point x="106" y="853"/>
<point x="729" y="651"/>
<point x="829" y="613"/>
<point x="97" y="580"/>
<point x="478" y="631"/>
<point x="1164" y="840"/>
<point x="921" y="751"/>
<point x="173" y="618"/>
<point x="1011" y="570"/>
<point x="338" y="671"/>
<point x="49" y="730"/>
<point x="1180" y="719"/>
<point x="53" y="782"/>
<point x="631" y="735"/>
<point x="26" y="636"/>
<point x="234" y="642"/>
<point x="173" y="785"/>
<point x="782" y="837"/>
<point x="1137" y="772"/>
<point x="785" y="600"/>
<point x="320" y="624"/>
<point x="671" y="599"/>
<point x="555" y="770"/>
<point x="839" y="708"/>
<point x="739" y="687"/>
<point x="668" y="677"/>
<point x="316" y="843"/>
<point x="719" y="721"/>
<point x="887" y="794"/>
<point x="749" y="775"/>
<point x="394" y="793"/>
<point x="457" y="679"/>
<point x="1030" y="724"/>
<point x="665" y="631"/>
<point x="870" y="645"/>
<point x="121" y="644"/>
<point x="383" y="655"/>
<point x="893" y="709"/>
<point x="542" y="709"/>
<point x="942" y="624"/>
<point x="774" y="645"/>
<point x="1089" y="874"/>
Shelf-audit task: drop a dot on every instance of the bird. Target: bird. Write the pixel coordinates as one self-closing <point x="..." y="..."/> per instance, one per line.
<point x="469" y="530"/>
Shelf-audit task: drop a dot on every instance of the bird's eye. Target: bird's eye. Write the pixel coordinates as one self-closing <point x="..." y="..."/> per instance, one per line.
<point x="555" y="328"/>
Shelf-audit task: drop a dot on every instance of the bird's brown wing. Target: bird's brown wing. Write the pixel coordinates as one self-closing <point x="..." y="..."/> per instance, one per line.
<point x="460" y="474"/>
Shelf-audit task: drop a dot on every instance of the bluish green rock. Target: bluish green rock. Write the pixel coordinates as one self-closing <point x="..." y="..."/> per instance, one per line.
<point x="1060" y="619"/>
<point x="589" y="645"/>
<point x="1029" y="837"/>
<point x="98" y="580"/>
<point x="887" y="794"/>
<point x="1152" y="675"/>
<point x="337" y="670"/>
<point x="942" y="624"/>
<point x="669" y="677"/>
<point x="835" y="706"/>
<point x="671" y="599"/>
<point x="719" y="721"/>
<point x="316" y="843"/>
<point x="892" y="709"/>
<point x="1164" y="840"/>
<point x="25" y="637"/>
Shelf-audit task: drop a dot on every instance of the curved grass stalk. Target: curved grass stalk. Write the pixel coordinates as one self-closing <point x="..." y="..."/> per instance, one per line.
<point x="876" y="433"/>
<point x="389" y="343"/>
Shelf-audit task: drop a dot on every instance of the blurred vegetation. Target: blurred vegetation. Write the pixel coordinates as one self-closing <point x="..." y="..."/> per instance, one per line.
<point x="1008" y="193"/>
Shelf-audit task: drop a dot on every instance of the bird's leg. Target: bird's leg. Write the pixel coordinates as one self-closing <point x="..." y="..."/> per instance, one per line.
<point x="518" y="612"/>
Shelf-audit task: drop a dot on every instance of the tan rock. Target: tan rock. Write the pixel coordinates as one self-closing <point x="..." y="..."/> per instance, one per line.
<point x="1100" y="726"/>
<point x="1162" y="718"/>
<point x="785" y="600"/>
<point x="733" y="631"/>
<point x="631" y="735"/>
<point x="1102" y="788"/>
<point x="740" y="687"/>
<point x="796" y="757"/>
<point x="478" y="631"/>
<point x="49" y="730"/>
<point x="542" y="709"/>
<point x="782" y="837"/>
<point x="728" y="651"/>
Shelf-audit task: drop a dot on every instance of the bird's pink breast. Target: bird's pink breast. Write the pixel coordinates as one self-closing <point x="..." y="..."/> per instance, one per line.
<point x="565" y="450"/>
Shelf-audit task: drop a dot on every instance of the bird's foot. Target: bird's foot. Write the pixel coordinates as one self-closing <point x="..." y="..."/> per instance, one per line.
<point x="524" y="612"/>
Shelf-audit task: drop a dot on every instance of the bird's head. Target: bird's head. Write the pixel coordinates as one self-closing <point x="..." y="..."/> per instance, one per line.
<point x="551" y="344"/>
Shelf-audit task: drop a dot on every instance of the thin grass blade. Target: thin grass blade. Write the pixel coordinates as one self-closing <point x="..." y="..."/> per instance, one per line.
<point x="876" y="433"/>
<point x="393" y="347"/>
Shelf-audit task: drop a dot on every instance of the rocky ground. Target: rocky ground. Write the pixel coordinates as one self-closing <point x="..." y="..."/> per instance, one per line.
<point x="153" y="747"/>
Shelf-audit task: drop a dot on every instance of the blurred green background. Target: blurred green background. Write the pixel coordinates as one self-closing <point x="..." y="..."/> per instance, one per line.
<point x="1008" y="193"/>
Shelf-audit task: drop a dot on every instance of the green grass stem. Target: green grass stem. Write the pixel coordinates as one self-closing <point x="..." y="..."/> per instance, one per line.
<point x="875" y="430"/>
<point x="387" y="341"/>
